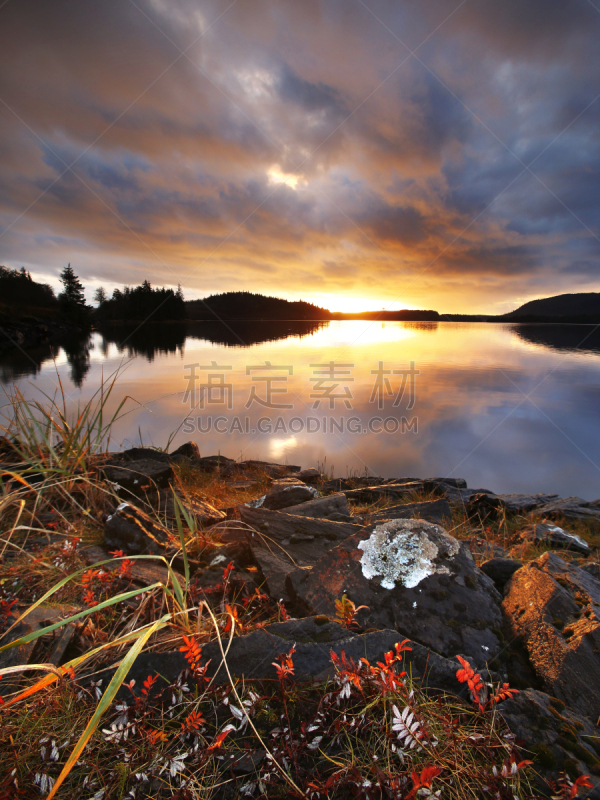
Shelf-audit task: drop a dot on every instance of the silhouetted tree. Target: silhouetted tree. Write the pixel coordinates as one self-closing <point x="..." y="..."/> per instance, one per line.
<point x="143" y="303"/>
<point x="100" y="295"/>
<point x="72" y="298"/>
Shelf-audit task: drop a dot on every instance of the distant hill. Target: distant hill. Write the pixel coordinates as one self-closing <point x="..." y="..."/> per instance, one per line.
<point x="583" y="304"/>
<point x="248" y="305"/>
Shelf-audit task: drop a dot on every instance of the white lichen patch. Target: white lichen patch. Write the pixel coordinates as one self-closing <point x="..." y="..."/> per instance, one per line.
<point x="406" y="552"/>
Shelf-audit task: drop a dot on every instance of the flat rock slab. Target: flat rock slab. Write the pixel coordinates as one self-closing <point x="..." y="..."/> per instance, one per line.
<point x="132" y="530"/>
<point x="574" y="508"/>
<point x="539" y="721"/>
<point x="416" y="578"/>
<point x="322" y="507"/>
<point x="436" y="511"/>
<point x="141" y="476"/>
<point x="383" y="492"/>
<point x="555" y="537"/>
<point x="342" y="484"/>
<point x="457" y="483"/>
<point x="488" y="504"/>
<point x="251" y="656"/>
<point x="265" y="467"/>
<point x="554" y="607"/>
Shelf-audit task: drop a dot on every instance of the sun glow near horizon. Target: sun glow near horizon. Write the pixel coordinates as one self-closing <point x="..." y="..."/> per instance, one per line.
<point x="356" y="305"/>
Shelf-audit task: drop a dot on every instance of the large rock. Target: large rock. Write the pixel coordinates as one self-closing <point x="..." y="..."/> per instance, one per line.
<point x="555" y="738"/>
<point x="416" y="578"/>
<point x="251" y="656"/>
<point x="287" y="492"/>
<point x="555" y="537"/>
<point x="187" y="450"/>
<point x="322" y="507"/>
<point x="309" y="475"/>
<point x="141" y="476"/>
<point x="132" y="530"/>
<point x="554" y="607"/>
<point x="285" y="544"/>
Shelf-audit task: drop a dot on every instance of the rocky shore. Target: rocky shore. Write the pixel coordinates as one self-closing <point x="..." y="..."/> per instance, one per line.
<point x="522" y="607"/>
<point x="30" y="332"/>
<point x="534" y="625"/>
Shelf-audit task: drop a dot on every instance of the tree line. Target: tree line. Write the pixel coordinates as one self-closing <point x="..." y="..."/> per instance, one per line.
<point x="20" y="294"/>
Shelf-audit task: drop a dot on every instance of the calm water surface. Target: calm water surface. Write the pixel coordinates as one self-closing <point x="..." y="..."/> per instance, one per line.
<point x="511" y="408"/>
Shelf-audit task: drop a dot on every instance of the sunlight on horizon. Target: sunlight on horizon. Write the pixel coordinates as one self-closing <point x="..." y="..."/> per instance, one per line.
<point x="347" y="304"/>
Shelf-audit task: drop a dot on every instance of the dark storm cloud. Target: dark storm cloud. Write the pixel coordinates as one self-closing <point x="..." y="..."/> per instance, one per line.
<point x="300" y="144"/>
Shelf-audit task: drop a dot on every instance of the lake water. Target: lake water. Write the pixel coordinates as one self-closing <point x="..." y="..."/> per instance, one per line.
<point x="511" y="408"/>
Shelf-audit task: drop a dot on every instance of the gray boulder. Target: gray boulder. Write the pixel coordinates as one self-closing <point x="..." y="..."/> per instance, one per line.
<point x="416" y="578"/>
<point x="554" y="608"/>
<point x="554" y="536"/>
<point x="310" y="475"/>
<point x="141" y="476"/>
<point x="287" y="492"/>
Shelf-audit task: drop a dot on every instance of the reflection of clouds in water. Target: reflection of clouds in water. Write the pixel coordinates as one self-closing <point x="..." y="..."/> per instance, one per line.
<point x="469" y="404"/>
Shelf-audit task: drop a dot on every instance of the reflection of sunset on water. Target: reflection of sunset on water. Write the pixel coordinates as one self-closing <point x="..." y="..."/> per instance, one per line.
<point x="471" y="408"/>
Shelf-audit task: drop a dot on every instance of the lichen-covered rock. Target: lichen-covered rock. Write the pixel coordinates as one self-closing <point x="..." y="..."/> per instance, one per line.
<point x="416" y="578"/>
<point x="406" y="554"/>
<point x="554" y="607"/>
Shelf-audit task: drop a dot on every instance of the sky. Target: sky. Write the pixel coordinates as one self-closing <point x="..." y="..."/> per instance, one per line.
<point x="359" y="154"/>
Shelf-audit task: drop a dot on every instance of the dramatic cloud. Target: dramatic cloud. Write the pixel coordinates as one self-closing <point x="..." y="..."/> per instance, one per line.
<point x="438" y="154"/>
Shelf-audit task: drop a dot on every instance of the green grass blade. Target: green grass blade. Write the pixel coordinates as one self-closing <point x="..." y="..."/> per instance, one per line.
<point x="30" y="637"/>
<point x="179" y="507"/>
<point x="68" y="578"/>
